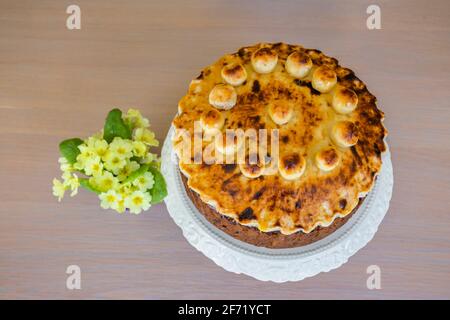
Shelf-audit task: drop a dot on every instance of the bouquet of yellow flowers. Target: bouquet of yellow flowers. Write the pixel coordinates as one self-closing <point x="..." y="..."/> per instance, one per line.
<point x="116" y="164"/>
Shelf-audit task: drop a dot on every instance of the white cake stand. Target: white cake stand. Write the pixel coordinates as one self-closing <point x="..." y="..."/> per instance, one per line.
<point x="278" y="265"/>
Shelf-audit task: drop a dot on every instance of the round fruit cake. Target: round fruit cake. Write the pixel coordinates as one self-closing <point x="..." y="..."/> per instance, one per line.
<point x="330" y="139"/>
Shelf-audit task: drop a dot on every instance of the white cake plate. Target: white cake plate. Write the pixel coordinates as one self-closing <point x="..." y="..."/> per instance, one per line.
<point x="278" y="265"/>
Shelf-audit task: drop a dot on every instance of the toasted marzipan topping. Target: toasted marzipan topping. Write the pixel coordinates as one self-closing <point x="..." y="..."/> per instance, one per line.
<point x="344" y="100"/>
<point x="211" y="120"/>
<point x="264" y="60"/>
<point x="280" y="113"/>
<point x="298" y="64"/>
<point x="223" y="96"/>
<point x="291" y="166"/>
<point x="324" y="79"/>
<point x="327" y="159"/>
<point x="251" y="170"/>
<point x="344" y="134"/>
<point x="228" y="143"/>
<point x="234" y="74"/>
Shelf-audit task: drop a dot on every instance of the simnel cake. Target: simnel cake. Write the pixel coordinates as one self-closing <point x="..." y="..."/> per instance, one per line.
<point x="330" y="133"/>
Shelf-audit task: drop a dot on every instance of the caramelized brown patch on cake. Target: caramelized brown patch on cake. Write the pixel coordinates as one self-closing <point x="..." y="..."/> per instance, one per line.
<point x="247" y="214"/>
<point x="256" y="87"/>
<point x="291" y="161"/>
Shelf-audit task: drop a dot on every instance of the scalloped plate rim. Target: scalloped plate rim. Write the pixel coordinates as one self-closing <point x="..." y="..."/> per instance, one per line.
<point x="278" y="265"/>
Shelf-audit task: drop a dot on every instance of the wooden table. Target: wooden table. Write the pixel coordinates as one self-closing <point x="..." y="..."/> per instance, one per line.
<point x="57" y="83"/>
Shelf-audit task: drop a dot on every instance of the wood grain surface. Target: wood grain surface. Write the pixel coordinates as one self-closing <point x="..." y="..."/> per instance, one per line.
<point x="57" y="83"/>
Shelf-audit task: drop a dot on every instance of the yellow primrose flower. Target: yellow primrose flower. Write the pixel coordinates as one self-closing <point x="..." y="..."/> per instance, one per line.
<point x="65" y="166"/>
<point x="144" y="182"/>
<point x="90" y="142"/>
<point x="139" y="149"/>
<point x="138" y="201"/>
<point x="135" y="119"/>
<point x="149" y="158"/>
<point x="126" y="189"/>
<point x="98" y="135"/>
<point x="146" y="136"/>
<point x="104" y="182"/>
<point x="86" y="153"/>
<point x="71" y="181"/>
<point x="93" y="166"/>
<point x="85" y="149"/>
<point x="121" y="147"/>
<point x="58" y="189"/>
<point x="120" y="206"/>
<point x="114" y="162"/>
<point x="101" y="148"/>
<point x="127" y="170"/>
<point x="80" y="163"/>
<point x="97" y="146"/>
<point x="110" y="199"/>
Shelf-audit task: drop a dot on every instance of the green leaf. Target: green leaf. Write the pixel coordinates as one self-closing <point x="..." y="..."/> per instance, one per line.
<point x="115" y="126"/>
<point x="134" y="158"/>
<point x="86" y="184"/>
<point x="137" y="173"/>
<point x="159" y="190"/>
<point x="69" y="149"/>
